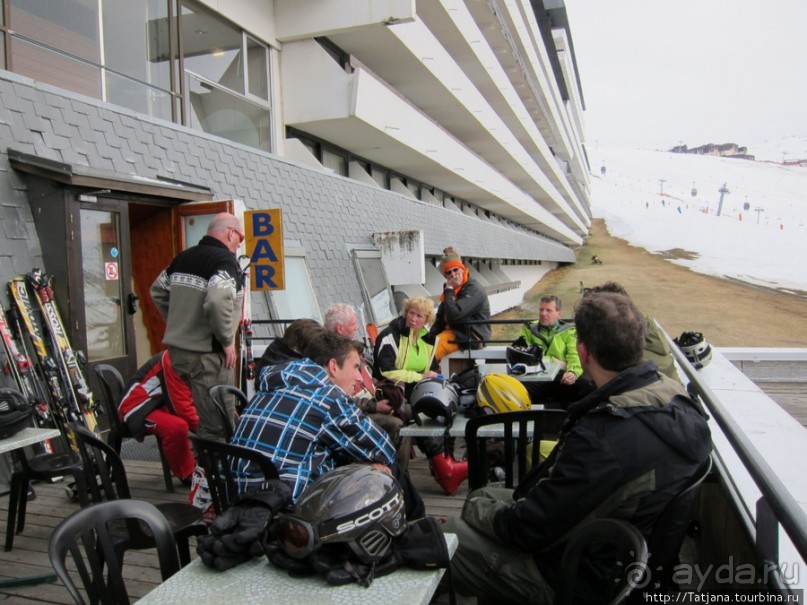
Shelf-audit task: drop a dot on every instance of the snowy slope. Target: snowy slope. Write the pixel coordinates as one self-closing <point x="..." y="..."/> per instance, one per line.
<point x="766" y="247"/>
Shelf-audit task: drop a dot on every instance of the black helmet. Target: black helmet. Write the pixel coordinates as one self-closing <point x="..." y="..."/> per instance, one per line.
<point x="437" y="398"/>
<point x="523" y="360"/>
<point x="355" y="505"/>
<point x="466" y="382"/>
<point x="695" y="348"/>
<point x="15" y="413"/>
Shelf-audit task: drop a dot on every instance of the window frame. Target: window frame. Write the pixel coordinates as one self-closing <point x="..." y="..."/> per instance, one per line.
<point x="296" y="251"/>
<point x="371" y="302"/>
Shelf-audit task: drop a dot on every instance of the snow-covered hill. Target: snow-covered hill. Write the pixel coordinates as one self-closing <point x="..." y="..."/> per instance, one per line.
<point x="791" y="148"/>
<point x="760" y="236"/>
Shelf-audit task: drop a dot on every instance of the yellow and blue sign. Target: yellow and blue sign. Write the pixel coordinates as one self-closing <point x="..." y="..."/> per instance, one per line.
<point x="264" y="242"/>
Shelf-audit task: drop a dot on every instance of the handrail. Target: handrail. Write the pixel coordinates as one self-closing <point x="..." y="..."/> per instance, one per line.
<point x="777" y="506"/>
<point x="787" y="512"/>
<point x="468" y="325"/>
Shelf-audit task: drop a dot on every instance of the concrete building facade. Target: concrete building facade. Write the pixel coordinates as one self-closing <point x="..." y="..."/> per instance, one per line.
<point x="122" y="128"/>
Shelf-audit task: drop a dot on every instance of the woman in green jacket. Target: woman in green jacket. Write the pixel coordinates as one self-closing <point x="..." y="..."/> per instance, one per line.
<point x="402" y="354"/>
<point x="400" y="351"/>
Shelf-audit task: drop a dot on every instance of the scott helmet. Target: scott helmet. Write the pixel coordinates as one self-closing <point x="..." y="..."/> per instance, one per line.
<point x="355" y="505"/>
<point x="695" y="348"/>
<point x="502" y="393"/>
<point x="436" y="398"/>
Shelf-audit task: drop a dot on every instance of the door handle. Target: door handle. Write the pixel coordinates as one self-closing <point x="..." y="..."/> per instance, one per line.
<point x="131" y="303"/>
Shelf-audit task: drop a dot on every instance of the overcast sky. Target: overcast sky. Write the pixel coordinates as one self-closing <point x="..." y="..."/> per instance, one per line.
<point x="656" y="73"/>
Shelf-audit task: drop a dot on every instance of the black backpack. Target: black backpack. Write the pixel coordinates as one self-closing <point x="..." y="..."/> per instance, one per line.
<point x="15" y="414"/>
<point x="467" y="382"/>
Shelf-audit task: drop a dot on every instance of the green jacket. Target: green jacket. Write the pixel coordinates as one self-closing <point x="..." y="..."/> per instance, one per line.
<point x="396" y="358"/>
<point x="558" y="341"/>
<point x="657" y="349"/>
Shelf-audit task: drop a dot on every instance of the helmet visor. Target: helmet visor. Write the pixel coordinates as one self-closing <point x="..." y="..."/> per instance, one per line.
<point x="297" y="537"/>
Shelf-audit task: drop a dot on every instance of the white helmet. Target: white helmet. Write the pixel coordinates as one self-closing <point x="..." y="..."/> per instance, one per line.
<point x="436" y="398"/>
<point x="695" y="348"/>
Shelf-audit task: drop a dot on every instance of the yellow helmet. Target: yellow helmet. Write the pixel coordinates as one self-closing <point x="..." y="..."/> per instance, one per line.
<point x="502" y="393"/>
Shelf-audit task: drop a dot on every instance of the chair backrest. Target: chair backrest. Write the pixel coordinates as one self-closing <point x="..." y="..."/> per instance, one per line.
<point x="215" y="457"/>
<point x="85" y="536"/>
<point x="112" y="390"/>
<point x="608" y="549"/>
<point x="219" y="393"/>
<point x="103" y="458"/>
<point x="670" y="528"/>
<point x="522" y="430"/>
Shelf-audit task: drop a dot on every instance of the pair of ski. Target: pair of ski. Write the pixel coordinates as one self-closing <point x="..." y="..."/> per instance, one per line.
<point x="247" y="366"/>
<point x="69" y="398"/>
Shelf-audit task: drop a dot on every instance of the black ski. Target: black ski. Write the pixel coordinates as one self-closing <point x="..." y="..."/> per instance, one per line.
<point x="21" y="369"/>
<point x="78" y="391"/>
<point x="247" y="354"/>
<point x="61" y="411"/>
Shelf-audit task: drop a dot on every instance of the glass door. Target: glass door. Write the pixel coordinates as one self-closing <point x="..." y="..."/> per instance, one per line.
<point x="106" y="303"/>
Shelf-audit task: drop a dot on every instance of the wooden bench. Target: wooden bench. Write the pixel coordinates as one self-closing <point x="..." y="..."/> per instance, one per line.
<point x="459" y="360"/>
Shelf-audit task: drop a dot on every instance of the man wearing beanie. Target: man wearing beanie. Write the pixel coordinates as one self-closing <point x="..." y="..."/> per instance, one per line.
<point x="463" y="300"/>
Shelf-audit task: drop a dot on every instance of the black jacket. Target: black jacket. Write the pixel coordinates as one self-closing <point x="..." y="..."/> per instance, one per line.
<point x="276" y="353"/>
<point x="471" y="304"/>
<point x="625" y="451"/>
<point x="388" y="346"/>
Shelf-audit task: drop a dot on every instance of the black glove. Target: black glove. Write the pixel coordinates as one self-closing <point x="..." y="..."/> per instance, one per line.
<point x="236" y="533"/>
<point x="214" y="554"/>
<point x="242" y="525"/>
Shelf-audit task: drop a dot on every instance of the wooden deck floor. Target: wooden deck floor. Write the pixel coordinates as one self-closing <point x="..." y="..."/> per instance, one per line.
<point x="29" y="557"/>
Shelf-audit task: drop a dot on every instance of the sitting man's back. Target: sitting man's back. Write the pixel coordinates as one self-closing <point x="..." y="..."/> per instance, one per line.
<point x="303" y="418"/>
<point x="624" y="452"/>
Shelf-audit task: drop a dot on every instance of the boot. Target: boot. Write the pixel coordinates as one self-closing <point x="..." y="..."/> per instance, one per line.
<point x="448" y="472"/>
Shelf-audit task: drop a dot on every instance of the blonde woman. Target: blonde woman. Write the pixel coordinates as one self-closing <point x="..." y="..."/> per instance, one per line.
<point x="402" y="354"/>
<point x="400" y="351"/>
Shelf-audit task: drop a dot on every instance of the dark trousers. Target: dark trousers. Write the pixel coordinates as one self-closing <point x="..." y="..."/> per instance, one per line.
<point x="557" y="394"/>
<point x="415" y="508"/>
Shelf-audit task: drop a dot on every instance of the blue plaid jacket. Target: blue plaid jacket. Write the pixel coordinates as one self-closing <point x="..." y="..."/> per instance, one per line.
<point x="307" y="425"/>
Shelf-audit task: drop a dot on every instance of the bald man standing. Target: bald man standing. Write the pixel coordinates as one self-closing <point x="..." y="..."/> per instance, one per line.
<point x="199" y="295"/>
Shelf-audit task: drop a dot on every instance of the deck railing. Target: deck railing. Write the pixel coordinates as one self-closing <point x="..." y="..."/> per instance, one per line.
<point x="776" y="507"/>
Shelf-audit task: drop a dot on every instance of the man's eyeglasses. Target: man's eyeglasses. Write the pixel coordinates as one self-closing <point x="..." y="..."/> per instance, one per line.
<point x="238" y="233"/>
<point x="448" y="272"/>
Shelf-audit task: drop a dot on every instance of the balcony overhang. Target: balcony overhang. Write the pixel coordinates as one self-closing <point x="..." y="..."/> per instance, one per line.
<point x="363" y="115"/>
<point x="431" y="74"/>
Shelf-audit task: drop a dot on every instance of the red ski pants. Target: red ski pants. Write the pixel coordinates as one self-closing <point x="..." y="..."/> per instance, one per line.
<point x="173" y="432"/>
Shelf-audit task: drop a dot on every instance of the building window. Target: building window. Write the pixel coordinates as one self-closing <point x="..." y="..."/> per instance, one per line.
<point x="380" y="176"/>
<point x="375" y="286"/>
<point x="129" y="54"/>
<point x="334" y="161"/>
<point x="298" y="299"/>
<point x="218" y="61"/>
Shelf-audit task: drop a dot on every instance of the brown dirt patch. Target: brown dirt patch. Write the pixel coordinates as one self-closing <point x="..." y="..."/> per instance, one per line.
<point x="679" y="253"/>
<point x="729" y="313"/>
